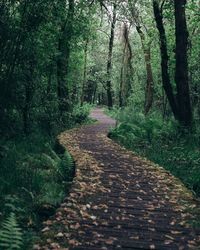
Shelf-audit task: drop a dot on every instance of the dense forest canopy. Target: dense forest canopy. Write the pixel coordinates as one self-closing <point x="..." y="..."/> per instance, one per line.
<point x="139" y="58"/>
<point x="55" y="55"/>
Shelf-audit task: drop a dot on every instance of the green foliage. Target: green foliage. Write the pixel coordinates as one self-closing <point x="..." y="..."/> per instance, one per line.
<point x="33" y="179"/>
<point x="162" y="142"/>
<point x="11" y="234"/>
<point x="29" y="81"/>
<point x="81" y="113"/>
<point x="51" y="194"/>
<point x="66" y="166"/>
<point x="34" y="171"/>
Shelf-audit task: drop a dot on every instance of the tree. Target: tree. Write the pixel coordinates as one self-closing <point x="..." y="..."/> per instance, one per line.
<point x="126" y="76"/>
<point x="181" y="74"/>
<point x="149" y="83"/>
<point x="142" y="31"/>
<point x="84" y="71"/>
<point x="109" y="61"/>
<point x="180" y="103"/>
<point x="164" y="58"/>
<point x="64" y="47"/>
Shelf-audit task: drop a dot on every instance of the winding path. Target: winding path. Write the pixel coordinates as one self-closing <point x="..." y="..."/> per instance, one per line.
<point x="118" y="200"/>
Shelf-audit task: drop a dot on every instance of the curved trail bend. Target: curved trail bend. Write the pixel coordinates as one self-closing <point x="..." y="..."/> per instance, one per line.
<point x="117" y="199"/>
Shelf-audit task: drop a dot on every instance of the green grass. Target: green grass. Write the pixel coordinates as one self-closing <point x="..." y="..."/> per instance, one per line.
<point x="163" y="142"/>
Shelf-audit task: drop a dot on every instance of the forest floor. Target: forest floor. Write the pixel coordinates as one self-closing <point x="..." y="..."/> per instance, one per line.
<point x="118" y="200"/>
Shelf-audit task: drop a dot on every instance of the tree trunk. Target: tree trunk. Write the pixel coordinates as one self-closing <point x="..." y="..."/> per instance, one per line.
<point x="181" y="74"/>
<point x="149" y="82"/>
<point x="164" y="59"/>
<point x="26" y="110"/>
<point x="63" y="60"/>
<point x="91" y="85"/>
<point x="121" y="96"/>
<point x="28" y="96"/>
<point x="126" y="69"/>
<point x="109" y="62"/>
<point x="94" y="94"/>
<point x="84" y="71"/>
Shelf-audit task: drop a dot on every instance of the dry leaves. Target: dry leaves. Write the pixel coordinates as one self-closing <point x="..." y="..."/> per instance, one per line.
<point x="145" y="192"/>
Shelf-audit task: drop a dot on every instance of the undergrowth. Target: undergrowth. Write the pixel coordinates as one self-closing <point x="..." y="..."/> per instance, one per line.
<point x="10" y="234"/>
<point x="34" y="179"/>
<point x="35" y="175"/>
<point x="163" y="142"/>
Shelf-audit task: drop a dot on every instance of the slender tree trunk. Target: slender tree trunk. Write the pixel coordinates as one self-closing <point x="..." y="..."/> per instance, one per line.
<point x="149" y="82"/>
<point x="122" y="74"/>
<point x="94" y="94"/>
<point x="121" y="97"/>
<point x="26" y="109"/>
<point x="15" y="47"/>
<point x="164" y="59"/>
<point x="181" y="75"/>
<point x="84" y="71"/>
<point x="164" y="104"/>
<point x="109" y="62"/>
<point x="63" y="60"/>
<point x="91" y="85"/>
<point x="126" y="76"/>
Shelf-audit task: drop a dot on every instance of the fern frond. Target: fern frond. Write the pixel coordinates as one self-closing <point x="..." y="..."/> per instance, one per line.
<point x="53" y="155"/>
<point x="66" y="165"/>
<point x="10" y="234"/>
<point x="50" y="162"/>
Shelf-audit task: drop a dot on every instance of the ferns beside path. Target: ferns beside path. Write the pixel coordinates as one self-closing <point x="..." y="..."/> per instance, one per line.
<point x="11" y="234"/>
<point x="34" y="179"/>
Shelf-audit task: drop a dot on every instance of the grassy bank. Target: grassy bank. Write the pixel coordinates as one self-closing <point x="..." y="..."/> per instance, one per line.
<point x="163" y="142"/>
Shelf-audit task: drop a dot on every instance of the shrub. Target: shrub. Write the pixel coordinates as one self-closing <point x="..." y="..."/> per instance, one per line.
<point x="81" y="113"/>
